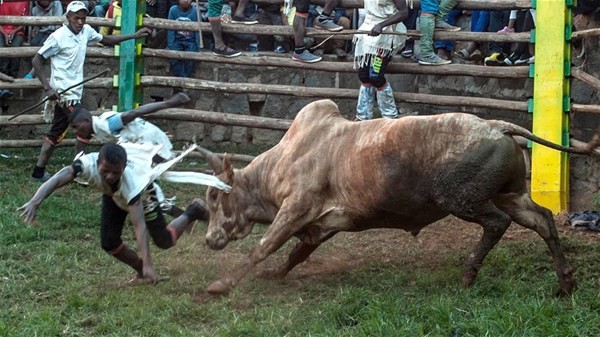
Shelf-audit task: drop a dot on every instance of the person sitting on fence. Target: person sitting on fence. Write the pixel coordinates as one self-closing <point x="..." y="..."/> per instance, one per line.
<point x="125" y="177"/>
<point x="497" y="51"/>
<point x="183" y="40"/>
<point x="444" y="49"/>
<point x="479" y="23"/>
<point x="66" y="49"/>
<point x="523" y="51"/>
<point x="271" y="14"/>
<point x="251" y="13"/>
<point x="411" y="24"/>
<point x="324" y="21"/>
<point x="39" y="34"/>
<point x="11" y="36"/>
<point x="114" y="10"/>
<point x="374" y="51"/>
<point x="433" y="14"/>
<point x="341" y="18"/>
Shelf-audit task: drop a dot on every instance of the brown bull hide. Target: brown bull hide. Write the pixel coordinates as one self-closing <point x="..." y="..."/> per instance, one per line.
<point x="328" y="174"/>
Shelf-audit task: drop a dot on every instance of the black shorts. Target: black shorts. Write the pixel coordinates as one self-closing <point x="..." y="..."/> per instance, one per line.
<point x="302" y="6"/>
<point x="112" y="221"/>
<point x="60" y="123"/>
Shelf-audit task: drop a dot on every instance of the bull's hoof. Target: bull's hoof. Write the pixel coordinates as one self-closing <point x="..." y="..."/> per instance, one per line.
<point x="220" y="287"/>
<point x="468" y="278"/>
<point x="568" y="283"/>
<point x="270" y="274"/>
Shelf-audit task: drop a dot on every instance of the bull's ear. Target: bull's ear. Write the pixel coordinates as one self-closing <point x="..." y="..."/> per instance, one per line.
<point x="228" y="170"/>
<point x="212" y="160"/>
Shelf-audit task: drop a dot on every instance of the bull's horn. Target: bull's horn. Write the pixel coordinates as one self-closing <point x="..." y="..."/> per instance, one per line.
<point x="213" y="159"/>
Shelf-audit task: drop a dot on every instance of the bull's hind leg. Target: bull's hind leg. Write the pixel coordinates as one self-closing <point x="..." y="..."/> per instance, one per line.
<point x="528" y="214"/>
<point x="494" y="223"/>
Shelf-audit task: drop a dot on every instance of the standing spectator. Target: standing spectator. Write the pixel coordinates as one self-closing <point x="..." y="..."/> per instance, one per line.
<point x="12" y="36"/>
<point x="66" y="49"/>
<point x="523" y="52"/>
<point x="183" y="40"/>
<point x="324" y="21"/>
<point x="113" y="11"/>
<point x="39" y="34"/>
<point x="373" y="52"/>
<point x="433" y="14"/>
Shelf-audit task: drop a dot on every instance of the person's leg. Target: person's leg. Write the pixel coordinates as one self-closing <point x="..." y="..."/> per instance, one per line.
<point x="385" y="94"/>
<point x="239" y="17"/>
<point x="444" y="9"/>
<point x="214" y="17"/>
<point x="60" y="123"/>
<point x="4" y="62"/>
<point x="300" y="53"/>
<point x="112" y="220"/>
<point x="166" y="236"/>
<point x="177" y="65"/>
<point x="15" y="61"/>
<point x="325" y="21"/>
<point x="366" y="95"/>
<point x="427" y="23"/>
<point x="498" y="19"/>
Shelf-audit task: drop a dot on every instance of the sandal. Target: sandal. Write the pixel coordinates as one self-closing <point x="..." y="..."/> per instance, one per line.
<point x="463" y="54"/>
<point x="476" y="56"/>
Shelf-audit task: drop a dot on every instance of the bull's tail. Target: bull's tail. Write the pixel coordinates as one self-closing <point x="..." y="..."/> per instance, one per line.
<point x="515" y="130"/>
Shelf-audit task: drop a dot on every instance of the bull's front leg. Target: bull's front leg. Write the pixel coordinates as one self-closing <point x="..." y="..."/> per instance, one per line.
<point x="286" y="223"/>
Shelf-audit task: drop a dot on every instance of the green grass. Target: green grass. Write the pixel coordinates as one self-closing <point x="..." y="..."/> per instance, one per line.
<point x="55" y="280"/>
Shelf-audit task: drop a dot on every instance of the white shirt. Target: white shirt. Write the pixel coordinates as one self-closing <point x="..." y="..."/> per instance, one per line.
<point x="66" y="51"/>
<point x="138" y="131"/>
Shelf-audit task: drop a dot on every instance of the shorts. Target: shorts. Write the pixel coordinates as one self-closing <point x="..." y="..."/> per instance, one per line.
<point x="60" y="123"/>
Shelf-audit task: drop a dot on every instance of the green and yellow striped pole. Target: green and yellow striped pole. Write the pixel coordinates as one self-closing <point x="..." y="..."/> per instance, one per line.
<point x="551" y="102"/>
<point x="131" y="63"/>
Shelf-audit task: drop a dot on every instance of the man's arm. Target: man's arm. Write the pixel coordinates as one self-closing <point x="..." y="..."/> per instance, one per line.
<point x="37" y="63"/>
<point x="173" y="101"/>
<point x="110" y="40"/>
<point x="63" y="177"/>
<point x="136" y="214"/>
<point x="398" y="17"/>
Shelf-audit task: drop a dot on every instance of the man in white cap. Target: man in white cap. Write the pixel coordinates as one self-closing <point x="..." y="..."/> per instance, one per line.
<point x="66" y="49"/>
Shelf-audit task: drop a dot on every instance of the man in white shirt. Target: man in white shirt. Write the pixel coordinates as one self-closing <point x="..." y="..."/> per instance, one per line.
<point x="66" y="49"/>
<point x="125" y="176"/>
<point x="127" y="127"/>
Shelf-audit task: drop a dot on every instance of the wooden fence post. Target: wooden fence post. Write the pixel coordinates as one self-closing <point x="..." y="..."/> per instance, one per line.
<point x="131" y="64"/>
<point x="551" y="102"/>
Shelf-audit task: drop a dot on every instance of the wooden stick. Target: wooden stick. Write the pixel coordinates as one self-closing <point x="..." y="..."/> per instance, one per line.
<point x="585" y="78"/>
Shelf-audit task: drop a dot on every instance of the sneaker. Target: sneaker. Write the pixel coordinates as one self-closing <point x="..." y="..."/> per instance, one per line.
<point x="326" y="23"/>
<point x="433" y="60"/>
<point x="511" y="59"/>
<point x="443" y="25"/>
<point x="243" y="20"/>
<point x="506" y="30"/>
<point x="407" y="53"/>
<point x="525" y="60"/>
<point x="496" y="59"/>
<point x="226" y="52"/>
<point x="306" y="57"/>
<point x="280" y="49"/>
<point x="253" y="47"/>
<point x="42" y="179"/>
<point x="6" y="94"/>
<point x="28" y="76"/>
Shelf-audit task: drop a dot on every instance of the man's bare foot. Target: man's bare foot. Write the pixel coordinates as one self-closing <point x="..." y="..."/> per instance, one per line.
<point x="138" y="280"/>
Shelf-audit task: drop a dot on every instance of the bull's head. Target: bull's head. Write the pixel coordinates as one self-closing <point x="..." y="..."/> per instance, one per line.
<point x="227" y="210"/>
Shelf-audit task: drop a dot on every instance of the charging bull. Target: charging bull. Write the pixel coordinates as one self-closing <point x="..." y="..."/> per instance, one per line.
<point x="328" y="174"/>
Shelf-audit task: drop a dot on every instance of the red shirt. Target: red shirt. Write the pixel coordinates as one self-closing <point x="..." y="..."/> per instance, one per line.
<point x="20" y="8"/>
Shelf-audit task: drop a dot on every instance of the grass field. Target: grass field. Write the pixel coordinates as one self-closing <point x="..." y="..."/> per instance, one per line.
<point x="55" y="280"/>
